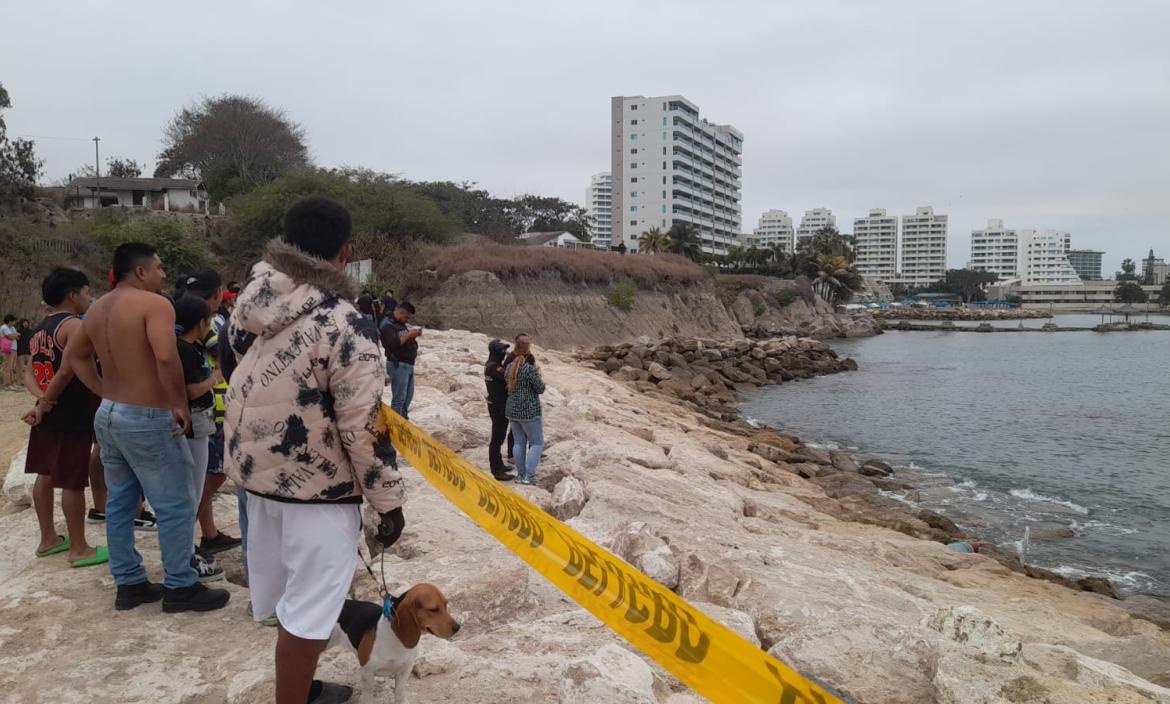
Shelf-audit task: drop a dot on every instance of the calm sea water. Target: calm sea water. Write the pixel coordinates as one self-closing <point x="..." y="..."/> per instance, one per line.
<point x="1006" y="431"/>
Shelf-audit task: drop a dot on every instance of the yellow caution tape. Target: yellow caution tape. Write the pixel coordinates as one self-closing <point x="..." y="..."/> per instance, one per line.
<point x="710" y="658"/>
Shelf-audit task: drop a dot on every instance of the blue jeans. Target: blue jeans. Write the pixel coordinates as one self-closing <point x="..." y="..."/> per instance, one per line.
<point x="143" y="457"/>
<point x="527" y="445"/>
<point x="402" y="386"/>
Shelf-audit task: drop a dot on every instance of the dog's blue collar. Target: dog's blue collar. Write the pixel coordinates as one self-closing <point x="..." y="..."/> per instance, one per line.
<point x="389" y="604"/>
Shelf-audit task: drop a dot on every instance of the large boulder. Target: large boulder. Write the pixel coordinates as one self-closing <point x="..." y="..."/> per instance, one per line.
<point x="842" y="462"/>
<point x="568" y="498"/>
<point x="612" y="675"/>
<point x="971" y="627"/>
<point x="638" y="545"/>
<point x="659" y="372"/>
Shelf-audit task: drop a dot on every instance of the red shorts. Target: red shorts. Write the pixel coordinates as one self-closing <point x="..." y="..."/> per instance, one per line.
<point x="63" y="457"/>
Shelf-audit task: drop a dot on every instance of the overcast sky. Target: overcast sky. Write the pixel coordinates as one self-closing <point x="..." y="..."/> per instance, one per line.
<point x="1042" y="113"/>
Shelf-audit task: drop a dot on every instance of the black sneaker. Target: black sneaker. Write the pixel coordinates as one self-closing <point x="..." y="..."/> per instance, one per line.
<point x="206" y="567"/>
<point x="329" y="693"/>
<point x="503" y="476"/>
<point x="220" y="543"/>
<point x="196" y="597"/>
<point x="146" y="521"/>
<point x="95" y="516"/>
<point x="133" y="595"/>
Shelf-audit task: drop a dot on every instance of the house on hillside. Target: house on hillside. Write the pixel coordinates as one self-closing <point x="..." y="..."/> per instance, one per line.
<point x="561" y="239"/>
<point x="168" y="194"/>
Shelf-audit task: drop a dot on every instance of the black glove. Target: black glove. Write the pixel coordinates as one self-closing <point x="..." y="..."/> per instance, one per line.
<point x="390" y="527"/>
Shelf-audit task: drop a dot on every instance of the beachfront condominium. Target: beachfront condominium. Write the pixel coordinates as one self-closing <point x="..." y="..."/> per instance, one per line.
<point x="1034" y="257"/>
<point x="996" y="250"/>
<point x="670" y="165"/>
<point x="1087" y="263"/>
<point x="1044" y="259"/>
<point x="814" y="220"/>
<point x="598" y="208"/>
<point x="876" y="245"/>
<point x="922" y="248"/>
<point x="774" y="230"/>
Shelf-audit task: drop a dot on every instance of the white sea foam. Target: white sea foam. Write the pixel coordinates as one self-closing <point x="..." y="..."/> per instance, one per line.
<point x="753" y="422"/>
<point x="979" y="496"/>
<point x="1127" y="580"/>
<point x="1102" y="527"/>
<point x="1029" y="495"/>
<point x="966" y="484"/>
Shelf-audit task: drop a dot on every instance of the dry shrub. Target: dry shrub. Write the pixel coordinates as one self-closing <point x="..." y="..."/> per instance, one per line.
<point x="428" y="266"/>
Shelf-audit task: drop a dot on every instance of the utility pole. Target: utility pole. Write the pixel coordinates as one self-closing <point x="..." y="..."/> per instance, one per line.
<point x="97" y="170"/>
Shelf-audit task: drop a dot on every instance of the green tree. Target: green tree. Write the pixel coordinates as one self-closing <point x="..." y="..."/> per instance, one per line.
<point x="1128" y="270"/>
<point x="381" y="205"/>
<point x="548" y="214"/>
<point x="684" y="240"/>
<point x="233" y="143"/>
<point x="965" y="283"/>
<point x="178" y="247"/>
<point x="831" y="282"/>
<point x="123" y="168"/>
<point x="19" y="166"/>
<point x="473" y="208"/>
<point x="653" y="241"/>
<point x="1130" y="292"/>
<point x="827" y="240"/>
<point x="1164" y="295"/>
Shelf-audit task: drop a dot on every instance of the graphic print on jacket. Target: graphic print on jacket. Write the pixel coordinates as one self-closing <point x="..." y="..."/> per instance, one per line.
<point x="303" y="420"/>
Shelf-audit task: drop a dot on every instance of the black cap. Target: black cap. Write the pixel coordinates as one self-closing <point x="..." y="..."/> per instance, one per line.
<point x="201" y="281"/>
<point x="496" y="346"/>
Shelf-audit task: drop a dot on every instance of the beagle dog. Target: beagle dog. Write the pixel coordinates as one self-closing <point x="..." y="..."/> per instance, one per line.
<point x="386" y="637"/>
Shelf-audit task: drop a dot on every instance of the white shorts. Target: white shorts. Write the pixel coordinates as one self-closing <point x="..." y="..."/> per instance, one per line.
<point x="301" y="559"/>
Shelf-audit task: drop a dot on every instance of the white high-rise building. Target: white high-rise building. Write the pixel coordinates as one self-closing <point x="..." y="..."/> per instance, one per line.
<point x="876" y="245"/>
<point x="1033" y="257"/>
<point x="774" y="230"/>
<point x="996" y="249"/>
<point x="598" y="208"/>
<point x="814" y="220"/>
<point x="1043" y="259"/>
<point x="922" y="248"/>
<point x="669" y="165"/>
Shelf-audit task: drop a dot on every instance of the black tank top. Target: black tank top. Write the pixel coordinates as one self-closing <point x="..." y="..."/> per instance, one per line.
<point x="76" y="407"/>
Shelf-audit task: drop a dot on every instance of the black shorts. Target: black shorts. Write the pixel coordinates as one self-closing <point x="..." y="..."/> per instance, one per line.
<point x="63" y="457"/>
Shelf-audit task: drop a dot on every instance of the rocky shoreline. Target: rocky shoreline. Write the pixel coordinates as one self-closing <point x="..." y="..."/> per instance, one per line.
<point x="875" y="613"/>
<point x="709" y="377"/>
<point x="958" y="314"/>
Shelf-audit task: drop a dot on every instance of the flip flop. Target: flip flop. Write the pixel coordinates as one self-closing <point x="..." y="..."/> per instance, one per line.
<point x="102" y="557"/>
<point x="62" y="547"/>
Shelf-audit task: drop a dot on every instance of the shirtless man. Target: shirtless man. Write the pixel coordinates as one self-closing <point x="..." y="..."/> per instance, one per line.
<point x="140" y="426"/>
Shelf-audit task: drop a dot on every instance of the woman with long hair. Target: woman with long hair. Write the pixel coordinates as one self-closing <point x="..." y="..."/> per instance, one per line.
<point x="525" y="386"/>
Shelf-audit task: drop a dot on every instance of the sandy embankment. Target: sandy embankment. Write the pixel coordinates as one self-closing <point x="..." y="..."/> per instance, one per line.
<point x="879" y="615"/>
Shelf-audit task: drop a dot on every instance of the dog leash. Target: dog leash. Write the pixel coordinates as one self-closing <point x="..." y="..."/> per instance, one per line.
<point x="389" y="601"/>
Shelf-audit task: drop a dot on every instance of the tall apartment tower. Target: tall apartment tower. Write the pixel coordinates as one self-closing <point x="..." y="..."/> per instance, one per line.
<point x="773" y="230"/>
<point x="599" y="208"/>
<point x="670" y="165"/>
<point x="922" y="248"/>
<point x="996" y="249"/>
<point x="876" y="245"/>
<point x="1043" y="259"/>
<point x="814" y="220"/>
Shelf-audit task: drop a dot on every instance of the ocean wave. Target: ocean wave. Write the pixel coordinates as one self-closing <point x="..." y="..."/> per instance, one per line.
<point x="966" y="484"/>
<point x="979" y="496"/>
<point x="1029" y="495"/>
<point x="1103" y="527"/>
<point x="1131" y="580"/>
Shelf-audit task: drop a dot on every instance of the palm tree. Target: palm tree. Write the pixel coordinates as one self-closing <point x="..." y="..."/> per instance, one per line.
<point x="831" y="270"/>
<point x="653" y="241"/>
<point x="684" y="240"/>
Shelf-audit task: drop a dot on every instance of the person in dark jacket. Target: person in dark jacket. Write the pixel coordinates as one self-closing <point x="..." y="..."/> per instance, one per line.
<point x="497" y="400"/>
<point x="401" y="343"/>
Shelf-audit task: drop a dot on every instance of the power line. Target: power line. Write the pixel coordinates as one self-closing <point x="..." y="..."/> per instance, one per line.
<point x="42" y="136"/>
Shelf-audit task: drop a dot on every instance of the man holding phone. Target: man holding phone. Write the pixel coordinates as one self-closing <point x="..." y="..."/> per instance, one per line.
<point x="401" y="343"/>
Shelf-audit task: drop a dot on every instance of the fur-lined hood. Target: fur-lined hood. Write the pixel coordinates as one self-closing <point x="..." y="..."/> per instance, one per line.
<point x="287" y="285"/>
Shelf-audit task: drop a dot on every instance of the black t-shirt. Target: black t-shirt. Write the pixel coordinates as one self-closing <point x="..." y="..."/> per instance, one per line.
<point x="24" y="344"/>
<point x="76" y="405"/>
<point x="196" y="368"/>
